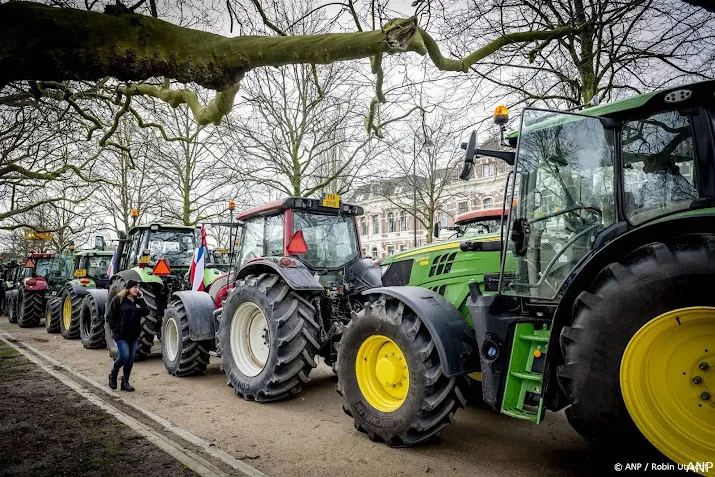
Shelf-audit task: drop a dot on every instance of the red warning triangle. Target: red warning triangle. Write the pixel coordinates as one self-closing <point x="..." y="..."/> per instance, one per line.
<point x="30" y="263"/>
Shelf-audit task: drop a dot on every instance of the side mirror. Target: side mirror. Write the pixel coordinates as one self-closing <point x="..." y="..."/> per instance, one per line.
<point x="99" y="242"/>
<point x="469" y="157"/>
<point x="436" y="229"/>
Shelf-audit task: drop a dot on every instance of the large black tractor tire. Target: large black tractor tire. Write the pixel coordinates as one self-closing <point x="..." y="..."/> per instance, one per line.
<point x="431" y="398"/>
<point x="182" y="356"/>
<point x="652" y="280"/>
<point x="151" y="323"/>
<point x="11" y="298"/>
<point x="31" y="308"/>
<point x="71" y="304"/>
<point x="91" y="323"/>
<point x="53" y="315"/>
<point x="290" y="335"/>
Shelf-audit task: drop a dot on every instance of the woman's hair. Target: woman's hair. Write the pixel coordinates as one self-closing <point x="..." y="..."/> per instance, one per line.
<point x="122" y="295"/>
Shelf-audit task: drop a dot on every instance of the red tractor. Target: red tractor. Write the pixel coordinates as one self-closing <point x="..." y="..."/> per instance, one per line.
<point x="31" y="298"/>
<point x="298" y="279"/>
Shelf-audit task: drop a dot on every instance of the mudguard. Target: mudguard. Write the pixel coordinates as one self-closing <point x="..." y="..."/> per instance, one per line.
<point x="100" y="298"/>
<point x="453" y="338"/>
<point x="40" y="284"/>
<point x="297" y="276"/>
<point x="199" y="311"/>
<point x="77" y="289"/>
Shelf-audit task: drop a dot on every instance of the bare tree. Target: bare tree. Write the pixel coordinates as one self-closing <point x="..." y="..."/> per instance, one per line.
<point x="419" y="173"/>
<point x="615" y="47"/>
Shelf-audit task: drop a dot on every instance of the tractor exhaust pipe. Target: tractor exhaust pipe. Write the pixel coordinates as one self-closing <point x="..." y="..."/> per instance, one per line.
<point x="120" y="248"/>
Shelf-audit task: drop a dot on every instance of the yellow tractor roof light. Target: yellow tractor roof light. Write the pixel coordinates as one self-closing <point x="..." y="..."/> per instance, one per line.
<point x="135" y="212"/>
<point x="231" y="205"/>
<point x="501" y="115"/>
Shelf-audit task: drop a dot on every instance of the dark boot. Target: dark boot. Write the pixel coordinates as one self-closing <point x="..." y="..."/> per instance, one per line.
<point x="113" y="380"/>
<point x="125" y="384"/>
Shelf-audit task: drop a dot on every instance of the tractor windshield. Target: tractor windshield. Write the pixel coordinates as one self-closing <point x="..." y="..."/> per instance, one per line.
<point x="332" y="239"/>
<point x="97" y="266"/>
<point x="564" y="183"/>
<point x="174" y="246"/>
<point x="42" y="269"/>
<point x="482" y="227"/>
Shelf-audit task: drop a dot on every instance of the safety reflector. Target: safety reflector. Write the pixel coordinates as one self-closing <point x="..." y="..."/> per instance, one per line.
<point x="30" y="263"/>
<point x="161" y="268"/>
<point x="297" y="245"/>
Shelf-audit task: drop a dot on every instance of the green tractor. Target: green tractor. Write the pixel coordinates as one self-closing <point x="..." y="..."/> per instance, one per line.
<point x="159" y="257"/>
<point x="89" y="272"/>
<point x="604" y="303"/>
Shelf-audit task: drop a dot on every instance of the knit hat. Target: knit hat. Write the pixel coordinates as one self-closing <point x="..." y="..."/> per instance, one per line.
<point x="130" y="284"/>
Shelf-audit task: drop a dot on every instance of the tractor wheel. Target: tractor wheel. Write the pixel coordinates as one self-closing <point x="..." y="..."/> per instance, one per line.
<point x="182" y="356"/>
<point x="12" y="307"/>
<point x="268" y="339"/>
<point x="640" y="356"/>
<point x="30" y="309"/>
<point x="150" y="324"/>
<point x="53" y="315"/>
<point x="390" y="376"/>
<point x="71" y="308"/>
<point x="91" y="324"/>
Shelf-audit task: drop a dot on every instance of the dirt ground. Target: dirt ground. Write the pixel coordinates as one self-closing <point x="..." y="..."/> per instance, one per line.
<point x="310" y="435"/>
<point x="47" y="429"/>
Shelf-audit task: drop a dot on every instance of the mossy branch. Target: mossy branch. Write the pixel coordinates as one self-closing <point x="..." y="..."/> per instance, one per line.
<point x="212" y="113"/>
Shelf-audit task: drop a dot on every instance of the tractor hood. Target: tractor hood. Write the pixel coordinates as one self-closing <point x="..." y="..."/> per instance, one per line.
<point x="447" y="245"/>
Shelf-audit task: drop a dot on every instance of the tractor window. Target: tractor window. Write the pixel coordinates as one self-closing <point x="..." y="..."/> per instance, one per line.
<point x="97" y="267"/>
<point x="252" y="240"/>
<point x="565" y="176"/>
<point x="331" y="239"/>
<point x="61" y="267"/>
<point x="274" y="236"/>
<point x="43" y="268"/>
<point x="479" y="228"/>
<point x="659" y="166"/>
<point x="174" y="246"/>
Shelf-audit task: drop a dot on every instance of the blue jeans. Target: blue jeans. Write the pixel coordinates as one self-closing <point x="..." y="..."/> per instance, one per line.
<point x="125" y="356"/>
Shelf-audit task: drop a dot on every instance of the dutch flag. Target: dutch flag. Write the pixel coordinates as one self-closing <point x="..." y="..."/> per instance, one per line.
<point x="110" y="269"/>
<point x="196" y="274"/>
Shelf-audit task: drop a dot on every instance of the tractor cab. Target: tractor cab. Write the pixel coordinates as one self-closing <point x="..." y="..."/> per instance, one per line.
<point x="39" y="265"/>
<point x="319" y="234"/>
<point x="159" y="250"/>
<point x="475" y="222"/>
<point x="91" y="266"/>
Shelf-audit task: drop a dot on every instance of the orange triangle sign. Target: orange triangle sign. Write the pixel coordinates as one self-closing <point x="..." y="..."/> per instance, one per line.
<point x="30" y="263"/>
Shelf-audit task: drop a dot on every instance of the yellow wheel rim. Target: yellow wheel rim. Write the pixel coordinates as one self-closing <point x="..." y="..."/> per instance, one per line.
<point x="668" y="383"/>
<point x="67" y="313"/>
<point x="382" y="373"/>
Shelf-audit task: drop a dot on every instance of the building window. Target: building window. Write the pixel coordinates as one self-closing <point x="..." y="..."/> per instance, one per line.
<point x="487" y="203"/>
<point x="375" y="225"/>
<point x="390" y="250"/>
<point x="462" y="207"/>
<point x="390" y="222"/>
<point x="403" y="221"/>
<point x="403" y="247"/>
<point x="364" y="252"/>
<point x="363" y="226"/>
<point x="442" y="217"/>
<point x="489" y="170"/>
<point x="374" y="252"/>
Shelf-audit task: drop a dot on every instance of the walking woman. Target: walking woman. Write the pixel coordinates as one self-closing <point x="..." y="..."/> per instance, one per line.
<point x="124" y="319"/>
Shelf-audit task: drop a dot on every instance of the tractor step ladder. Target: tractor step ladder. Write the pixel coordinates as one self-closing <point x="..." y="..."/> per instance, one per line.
<point x="528" y="349"/>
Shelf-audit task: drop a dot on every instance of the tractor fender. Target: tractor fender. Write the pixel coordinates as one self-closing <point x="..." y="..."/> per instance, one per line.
<point x="199" y="311"/>
<point x="453" y="338"/>
<point x="40" y="284"/>
<point x="100" y="298"/>
<point x="76" y="288"/>
<point x="126" y="275"/>
<point x="297" y="276"/>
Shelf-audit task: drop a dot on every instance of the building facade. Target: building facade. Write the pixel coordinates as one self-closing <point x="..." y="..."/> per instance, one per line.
<point x="387" y="228"/>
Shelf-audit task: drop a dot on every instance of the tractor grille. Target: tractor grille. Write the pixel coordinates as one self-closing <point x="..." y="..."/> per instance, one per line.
<point x="442" y="264"/>
<point x="439" y="289"/>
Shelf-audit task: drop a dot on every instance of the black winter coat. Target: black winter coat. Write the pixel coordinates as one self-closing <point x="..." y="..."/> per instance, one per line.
<point x="124" y="317"/>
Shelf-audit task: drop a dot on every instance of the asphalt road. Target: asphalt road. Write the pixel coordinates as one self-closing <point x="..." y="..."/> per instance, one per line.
<point x="311" y="436"/>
